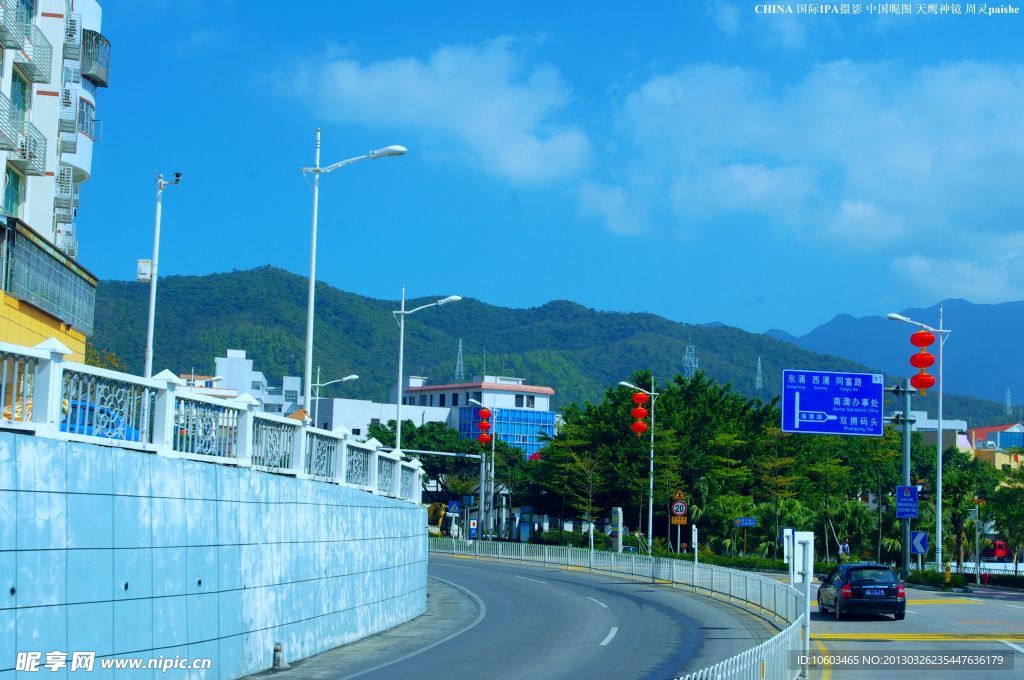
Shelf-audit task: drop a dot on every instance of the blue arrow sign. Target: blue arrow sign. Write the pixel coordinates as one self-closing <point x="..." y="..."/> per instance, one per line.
<point x="826" y="402"/>
<point x="906" y="502"/>
<point x="919" y="542"/>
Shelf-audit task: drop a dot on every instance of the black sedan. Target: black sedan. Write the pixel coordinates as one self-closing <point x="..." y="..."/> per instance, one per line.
<point x="862" y="588"/>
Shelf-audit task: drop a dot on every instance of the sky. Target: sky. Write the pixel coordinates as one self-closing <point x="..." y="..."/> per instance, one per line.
<point x="703" y="161"/>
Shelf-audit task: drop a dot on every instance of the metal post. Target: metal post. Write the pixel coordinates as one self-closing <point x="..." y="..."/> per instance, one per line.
<point x="977" y="550"/>
<point x="310" y="301"/>
<point x="316" y="404"/>
<point x="906" y="471"/>
<point x="650" y="489"/>
<point x="401" y="390"/>
<point x="938" y="471"/>
<point x="148" y="371"/>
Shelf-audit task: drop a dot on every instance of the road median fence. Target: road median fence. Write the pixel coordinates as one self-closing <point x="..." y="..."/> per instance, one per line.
<point x="772" y="599"/>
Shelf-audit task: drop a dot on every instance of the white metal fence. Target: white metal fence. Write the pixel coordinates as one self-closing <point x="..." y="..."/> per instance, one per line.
<point x="771" y="659"/>
<point x="43" y="394"/>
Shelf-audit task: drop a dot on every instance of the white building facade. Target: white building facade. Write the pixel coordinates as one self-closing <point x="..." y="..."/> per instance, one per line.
<point x="235" y="372"/>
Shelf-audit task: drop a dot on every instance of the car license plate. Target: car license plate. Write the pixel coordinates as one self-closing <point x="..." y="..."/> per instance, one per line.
<point x="874" y="592"/>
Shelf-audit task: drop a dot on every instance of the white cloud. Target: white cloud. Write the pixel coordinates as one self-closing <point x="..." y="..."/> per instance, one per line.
<point x="866" y="155"/>
<point x="993" y="276"/>
<point x="484" y="102"/>
<point x="611" y="205"/>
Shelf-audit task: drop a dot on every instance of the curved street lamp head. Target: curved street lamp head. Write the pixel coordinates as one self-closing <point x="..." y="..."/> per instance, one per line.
<point x="450" y="298"/>
<point x="393" y="150"/>
<point x="476" y="403"/>
<point x="631" y="386"/>
<point x="350" y="377"/>
<point x="893" y="316"/>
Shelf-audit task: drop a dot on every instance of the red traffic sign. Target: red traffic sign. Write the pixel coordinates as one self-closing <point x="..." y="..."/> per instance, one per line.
<point x="679" y="508"/>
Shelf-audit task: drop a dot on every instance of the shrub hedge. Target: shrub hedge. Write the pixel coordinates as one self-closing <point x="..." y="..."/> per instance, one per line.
<point x="936" y="579"/>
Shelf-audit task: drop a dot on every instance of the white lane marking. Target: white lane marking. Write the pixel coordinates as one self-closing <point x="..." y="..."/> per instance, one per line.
<point x="911" y="612"/>
<point x="1016" y="648"/>
<point x="478" y="619"/>
<point x="1015" y="606"/>
<point x="527" y="578"/>
<point x="611" y="634"/>
<point x="599" y="602"/>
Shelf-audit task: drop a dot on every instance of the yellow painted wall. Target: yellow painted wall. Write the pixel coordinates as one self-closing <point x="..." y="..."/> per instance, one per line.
<point x="998" y="459"/>
<point x="23" y="324"/>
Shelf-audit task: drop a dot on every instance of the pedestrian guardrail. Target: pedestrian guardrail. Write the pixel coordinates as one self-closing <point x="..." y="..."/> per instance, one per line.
<point x="772" y="658"/>
<point x="42" y="394"/>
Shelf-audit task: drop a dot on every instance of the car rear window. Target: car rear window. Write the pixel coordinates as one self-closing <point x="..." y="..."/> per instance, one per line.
<point x="872" y="575"/>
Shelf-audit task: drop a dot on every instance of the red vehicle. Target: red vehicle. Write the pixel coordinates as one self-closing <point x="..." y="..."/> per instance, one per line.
<point x="999" y="551"/>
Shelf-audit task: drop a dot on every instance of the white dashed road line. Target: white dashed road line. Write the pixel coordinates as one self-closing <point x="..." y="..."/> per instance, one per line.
<point x="600" y="603"/>
<point x="615" y="630"/>
<point x="527" y="578"/>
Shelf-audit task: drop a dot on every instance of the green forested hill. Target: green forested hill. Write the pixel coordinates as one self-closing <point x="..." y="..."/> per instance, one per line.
<point x="576" y="350"/>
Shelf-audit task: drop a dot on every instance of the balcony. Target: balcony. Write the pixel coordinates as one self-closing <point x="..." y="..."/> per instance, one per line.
<point x="95" y="58"/>
<point x="30" y="154"/>
<point x="67" y="191"/>
<point x="68" y="110"/>
<point x="36" y="58"/>
<point x="9" y="128"/>
<point x="67" y="240"/>
<point x="69" y="142"/>
<point x="73" y="37"/>
<point x="12" y="24"/>
<point x="42" y="275"/>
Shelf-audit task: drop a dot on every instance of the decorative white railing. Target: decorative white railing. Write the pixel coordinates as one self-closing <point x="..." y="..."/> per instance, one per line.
<point x="773" y="658"/>
<point x="42" y="393"/>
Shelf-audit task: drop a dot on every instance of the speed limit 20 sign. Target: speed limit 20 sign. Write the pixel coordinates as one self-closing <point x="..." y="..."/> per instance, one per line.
<point x="679" y="508"/>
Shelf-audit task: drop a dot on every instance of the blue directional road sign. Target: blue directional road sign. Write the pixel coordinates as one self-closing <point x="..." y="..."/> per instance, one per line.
<point x="918" y="542"/>
<point x="745" y="522"/>
<point x="825" y="402"/>
<point x="906" y="502"/>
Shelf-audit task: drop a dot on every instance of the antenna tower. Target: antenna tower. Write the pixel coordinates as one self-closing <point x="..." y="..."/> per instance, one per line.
<point x="460" y="369"/>
<point x="690" y="362"/>
<point x="1009" y="402"/>
<point x="759" y="380"/>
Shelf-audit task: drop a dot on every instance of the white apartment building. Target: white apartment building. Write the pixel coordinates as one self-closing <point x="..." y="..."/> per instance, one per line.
<point x="53" y="59"/>
<point x="235" y="372"/>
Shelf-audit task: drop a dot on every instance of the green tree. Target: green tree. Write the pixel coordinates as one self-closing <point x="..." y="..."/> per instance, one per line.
<point x="1007" y="509"/>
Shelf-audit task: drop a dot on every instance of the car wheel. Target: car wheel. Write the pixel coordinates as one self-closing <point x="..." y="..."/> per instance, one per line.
<point x="836" y="611"/>
<point x="899" y="616"/>
<point x="821" y="607"/>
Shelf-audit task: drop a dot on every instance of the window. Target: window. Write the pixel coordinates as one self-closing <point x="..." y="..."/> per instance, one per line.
<point x="440" y="399"/>
<point x="14" y="192"/>
<point x="291" y="395"/>
<point x="529" y="401"/>
<point x="519" y="401"/>
<point x="431" y="399"/>
<point x="373" y="421"/>
<point x="356" y="430"/>
<point x="476" y="395"/>
<point x="455" y="398"/>
<point x="19" y="98"/>
<point x="86" y="118"/>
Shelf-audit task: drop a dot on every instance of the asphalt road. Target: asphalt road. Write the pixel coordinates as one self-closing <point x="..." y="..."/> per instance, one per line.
<point x="984" y="621"/>
<point x="489" y="620"/>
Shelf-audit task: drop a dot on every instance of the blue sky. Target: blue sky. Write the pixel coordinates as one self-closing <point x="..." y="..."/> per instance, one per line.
<point x="695" y="160"/>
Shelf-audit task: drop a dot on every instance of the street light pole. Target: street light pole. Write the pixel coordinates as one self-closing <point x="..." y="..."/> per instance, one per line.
<point x="318" y="385"/>
<point x="160" y="184"/>
<point x="316" y="171"/>
<point x="400" y="317"/>
<point x="650" y="491"/>
<point x="488" y="480"/>
<point x="943" y="333"/>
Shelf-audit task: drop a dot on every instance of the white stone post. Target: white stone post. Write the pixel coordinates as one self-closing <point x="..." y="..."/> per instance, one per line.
<point x="298" y="466"/>
<point x="46" y="395"/>
<point x="246" y="427"/>
<point x="163" y="414"/>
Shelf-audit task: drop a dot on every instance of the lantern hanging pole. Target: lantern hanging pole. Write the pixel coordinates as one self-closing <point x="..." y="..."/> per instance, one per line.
<point x="650" y="490"/>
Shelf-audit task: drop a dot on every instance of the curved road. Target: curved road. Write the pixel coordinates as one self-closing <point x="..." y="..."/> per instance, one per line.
<point x="487" y="619"/>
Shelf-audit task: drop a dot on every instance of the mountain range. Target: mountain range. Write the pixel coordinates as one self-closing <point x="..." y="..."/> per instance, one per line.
<point x="578" y="351"/>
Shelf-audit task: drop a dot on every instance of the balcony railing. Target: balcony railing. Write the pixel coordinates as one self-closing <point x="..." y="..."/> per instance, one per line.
<point x="73" y="37"/>
<point x="66" y="194"/>
<point x="67" y="240"/>
<point x="68" y="109"/>
<point x="42" y="393"/>
<point x="36" y="58"/>
<point x="12" y="24"/>
<point x="10" y="129"/>
<point x="29" y="155"/>
<point x="95" y="58"/>
<point x="35" y="271"/>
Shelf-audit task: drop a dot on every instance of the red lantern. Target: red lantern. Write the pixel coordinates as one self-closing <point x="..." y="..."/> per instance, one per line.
<point x="639" y="413"/>
<point x="922" y="359"/>
<point x="485" y="413"/>
<point x="923" y="381"/>
<point x="484" y="439"/>
<point x="484" y="426"/>
<point x="922" y="338"/>
<point x="639" y="427"/>
<point x="639" y="398"/>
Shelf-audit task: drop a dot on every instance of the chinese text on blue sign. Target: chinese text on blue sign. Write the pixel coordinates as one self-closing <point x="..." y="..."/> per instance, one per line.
<point x="906" y="502"/>
<point x="745" y="522"/>
<point x="825" y="402"/>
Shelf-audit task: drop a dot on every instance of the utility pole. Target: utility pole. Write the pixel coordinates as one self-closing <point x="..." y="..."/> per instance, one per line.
<point x="904" y="390"/>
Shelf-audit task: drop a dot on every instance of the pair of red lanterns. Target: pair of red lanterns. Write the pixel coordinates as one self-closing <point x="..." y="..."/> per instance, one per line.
<point x="639" y="413"/>
<point x="922" y="360"/>
<point x="485" y="426"/>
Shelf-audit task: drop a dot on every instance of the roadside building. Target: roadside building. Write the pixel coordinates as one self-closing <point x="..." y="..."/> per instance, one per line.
<point x="53" y="61"/>
<point x="998" y="445"/>
<point x="236" y="372"/>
